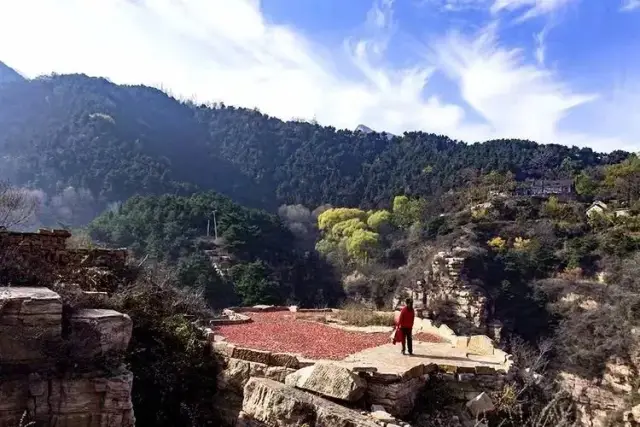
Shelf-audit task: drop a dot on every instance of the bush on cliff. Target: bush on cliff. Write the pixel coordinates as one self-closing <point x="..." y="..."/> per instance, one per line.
<point x="174" y="370"/>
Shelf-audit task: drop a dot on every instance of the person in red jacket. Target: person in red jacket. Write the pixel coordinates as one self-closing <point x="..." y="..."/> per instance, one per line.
<point x="405" y="323"/>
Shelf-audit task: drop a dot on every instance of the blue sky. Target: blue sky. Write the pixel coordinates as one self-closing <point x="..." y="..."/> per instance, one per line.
<point x="554" y="71"/>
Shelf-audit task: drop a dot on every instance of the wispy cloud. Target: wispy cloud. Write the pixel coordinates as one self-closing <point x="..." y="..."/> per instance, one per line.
<point x="514" y="97"/>
<point x="530" y="8"/>
<point x="457" y="5"/>
<point x="629" y="5"/>
<point x="221" y="50"/>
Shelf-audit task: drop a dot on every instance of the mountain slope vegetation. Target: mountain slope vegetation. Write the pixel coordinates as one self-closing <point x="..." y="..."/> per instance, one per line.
<point x="116" y="141"/>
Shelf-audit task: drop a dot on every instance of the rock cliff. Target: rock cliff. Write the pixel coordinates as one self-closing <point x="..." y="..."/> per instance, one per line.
<point x="61" y="362"/>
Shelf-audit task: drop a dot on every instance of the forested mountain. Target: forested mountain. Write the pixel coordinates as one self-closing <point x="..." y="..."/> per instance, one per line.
<point x="8" y="74"/>
<point x="268" y="264"/>
<point x="118" y="141"/>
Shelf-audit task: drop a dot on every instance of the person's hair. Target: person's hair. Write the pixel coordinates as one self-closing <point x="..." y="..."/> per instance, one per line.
<point x="409" y="301"/>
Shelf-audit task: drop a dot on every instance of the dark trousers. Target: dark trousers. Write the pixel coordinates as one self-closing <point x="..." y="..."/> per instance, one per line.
<point x="407" y="341"/>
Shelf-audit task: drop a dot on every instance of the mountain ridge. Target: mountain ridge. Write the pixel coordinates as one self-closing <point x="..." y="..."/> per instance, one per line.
<point x="8" y="74"/>
<point x="118" y="141"/>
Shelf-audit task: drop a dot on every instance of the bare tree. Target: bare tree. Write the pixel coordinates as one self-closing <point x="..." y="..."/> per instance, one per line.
<point x="17" y="206"/>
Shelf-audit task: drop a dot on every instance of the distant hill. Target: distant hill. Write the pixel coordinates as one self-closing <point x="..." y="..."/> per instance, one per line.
<point x="8" y="74"/>
<point x="119" y="141"/>
<point x="364" y="129"/>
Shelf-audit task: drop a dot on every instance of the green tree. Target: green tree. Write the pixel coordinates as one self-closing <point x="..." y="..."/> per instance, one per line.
<point x="624" y="179"/>
<point x="254" y="286"/>
<point x="406" y="211"/>
<point x="585" y="185"/>
<point x="197" y="272"/>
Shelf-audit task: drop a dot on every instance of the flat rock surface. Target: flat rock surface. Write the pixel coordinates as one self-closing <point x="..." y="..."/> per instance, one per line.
<point x="329" y="379"/>
<point x="389" y="361"/>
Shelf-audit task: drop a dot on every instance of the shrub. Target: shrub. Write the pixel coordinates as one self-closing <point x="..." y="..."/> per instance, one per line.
<point x="359" y="315"/>
<point x="174" y="369"/>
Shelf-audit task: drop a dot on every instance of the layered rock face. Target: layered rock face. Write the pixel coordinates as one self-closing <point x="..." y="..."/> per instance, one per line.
<point x="269" y="403"/>
<point x="601" y="400"/>
<point x="450" y="297"/>
<point x="34" y="345"/>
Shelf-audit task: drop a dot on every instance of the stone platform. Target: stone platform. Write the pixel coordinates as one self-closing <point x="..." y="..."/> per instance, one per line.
<point x="387" y="359"/>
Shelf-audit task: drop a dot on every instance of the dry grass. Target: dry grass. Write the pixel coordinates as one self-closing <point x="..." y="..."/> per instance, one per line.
<point x="359" y="315"/>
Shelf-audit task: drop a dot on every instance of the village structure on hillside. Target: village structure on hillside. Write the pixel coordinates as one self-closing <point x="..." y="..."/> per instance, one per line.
<point x="546" y="188"/>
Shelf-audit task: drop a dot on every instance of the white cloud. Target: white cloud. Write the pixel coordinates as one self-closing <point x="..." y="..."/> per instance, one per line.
<point x="629" y="5"/>
<point x="515" y="98"/>
<point x="223" y="50"/>
<point x="532" y="8"/>
<point x="541" y="49"/>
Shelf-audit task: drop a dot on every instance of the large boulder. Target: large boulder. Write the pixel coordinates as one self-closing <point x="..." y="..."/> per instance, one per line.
<point x="30" y="324"/>
<point x="329" y="380"/>
<point x="276" y="404"/>
<point x="97" y="332"/>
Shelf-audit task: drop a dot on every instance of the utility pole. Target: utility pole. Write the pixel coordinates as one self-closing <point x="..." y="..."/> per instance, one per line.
<point x="215" y="225"/>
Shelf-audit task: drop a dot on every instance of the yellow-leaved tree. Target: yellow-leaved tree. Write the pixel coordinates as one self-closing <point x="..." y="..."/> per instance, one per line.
<point x="406" y="211"/>
<point x="378" y="220"/>
<point x="329" y="218"/>
<point x="362" y="244"/>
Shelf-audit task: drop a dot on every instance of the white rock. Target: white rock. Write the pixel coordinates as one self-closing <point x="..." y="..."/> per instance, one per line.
<point x="479" y="405"/>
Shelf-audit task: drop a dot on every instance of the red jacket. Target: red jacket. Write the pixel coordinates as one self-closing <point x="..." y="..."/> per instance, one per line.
<point x="406" y="317"/>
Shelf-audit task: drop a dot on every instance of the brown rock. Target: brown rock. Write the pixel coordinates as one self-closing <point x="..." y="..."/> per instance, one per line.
<point x="251" y="355"/>
<point x="480" y="344"/>
<point x="98" y="332"/>
<point x="480" y="405"/>
<point x="284" y="359"/>
<point x="329" y="380"/>
<point x="30" y="321"/>
<point x="277" y="404"/>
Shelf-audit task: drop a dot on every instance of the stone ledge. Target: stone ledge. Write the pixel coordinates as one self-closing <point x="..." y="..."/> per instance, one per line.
<point x="259" y="309"/>
<point x="295" y="309"/>
<point x="97" y="332"/>
<point x="230" y="317"/>
<point x="267" y="358"/>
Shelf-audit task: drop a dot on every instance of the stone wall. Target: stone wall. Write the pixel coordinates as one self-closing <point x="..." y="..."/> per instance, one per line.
<point x="42" y="258"/>
<point x="52" y="367"/>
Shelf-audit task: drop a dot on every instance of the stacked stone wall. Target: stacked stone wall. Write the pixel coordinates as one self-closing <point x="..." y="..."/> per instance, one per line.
<point x="43" y="258"/>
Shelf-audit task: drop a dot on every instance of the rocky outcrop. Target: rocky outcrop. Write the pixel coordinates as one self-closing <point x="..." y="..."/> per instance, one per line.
<point x="96" y="332"/>
<point x="598" y="400"/>
<point x="237" y="372"/>
<point x="329" y="380"/>
<point x="451" y="298"/>
<point x="89" y="400"/>
<point x="30" y="319"/>
<point x="270" y="403"/>
<point x="33" y="346"/>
